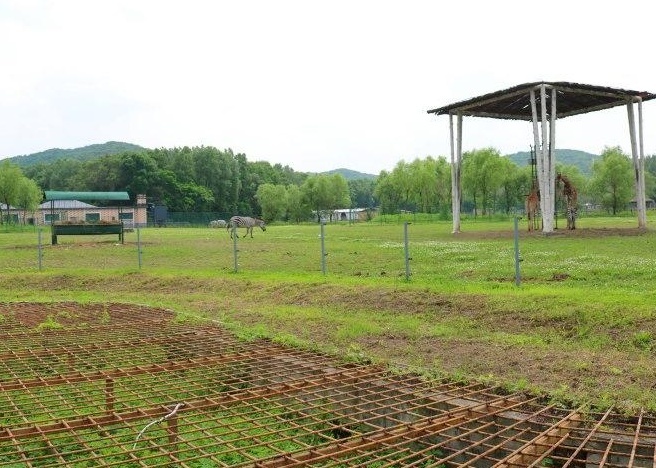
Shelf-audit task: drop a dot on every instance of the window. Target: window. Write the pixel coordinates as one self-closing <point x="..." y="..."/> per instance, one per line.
<point x="125" y="216"/>
<point x="50" y="217"/>
<point x="92" y="217"/>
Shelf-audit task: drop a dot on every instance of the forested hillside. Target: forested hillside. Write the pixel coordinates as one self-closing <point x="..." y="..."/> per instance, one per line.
<point x="197" y="179"/>
<point x="209" y="180"/>
<point x="580" y="159"/>
<point x="350" y="174"/>
<point x="84" y="153"/>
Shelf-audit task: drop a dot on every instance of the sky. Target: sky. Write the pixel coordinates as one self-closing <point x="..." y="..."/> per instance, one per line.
<point x="314" y="85"/>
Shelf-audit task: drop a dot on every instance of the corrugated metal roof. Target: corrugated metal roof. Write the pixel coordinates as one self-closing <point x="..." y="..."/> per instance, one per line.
<point x="515" y="103"/>
<point x="65" y="205"/>
<point x="54" y="195"/>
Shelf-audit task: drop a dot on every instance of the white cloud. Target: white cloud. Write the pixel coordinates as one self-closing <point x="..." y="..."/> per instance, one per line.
<point x="312" y="85"/>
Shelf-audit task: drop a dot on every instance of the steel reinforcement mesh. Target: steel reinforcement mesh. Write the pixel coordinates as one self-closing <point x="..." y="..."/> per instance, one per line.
<point x="118" y="385"/>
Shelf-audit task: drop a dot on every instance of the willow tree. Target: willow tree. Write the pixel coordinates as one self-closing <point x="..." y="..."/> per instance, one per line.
<point x="612" y="179"/>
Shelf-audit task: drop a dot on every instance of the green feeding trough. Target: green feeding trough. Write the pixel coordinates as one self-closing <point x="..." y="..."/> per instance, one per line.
<point x="92" y="224"/>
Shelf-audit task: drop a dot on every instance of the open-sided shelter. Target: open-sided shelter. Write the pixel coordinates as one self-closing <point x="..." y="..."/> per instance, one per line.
<point x="542" y="103"/>
<point x="92" y="222"/>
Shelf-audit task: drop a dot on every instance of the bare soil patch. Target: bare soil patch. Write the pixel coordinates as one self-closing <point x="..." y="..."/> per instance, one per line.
<point x="579" y="232"/>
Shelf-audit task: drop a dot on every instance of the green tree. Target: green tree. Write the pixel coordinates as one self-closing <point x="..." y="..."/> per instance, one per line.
<point x="339" y="192"/>
<point x="650" y="176"/>
<point x="612" y="179"/>
<point x="361" y="192"/>
<point x="220" y="172"/>
<point x="62" y="174"/>
<point x="315" y="194"/>
<point x="482" y="177"/>
<point x="430" y="183"/>
<point x="386" y="193"/>
<point x="10" y="181"/>
<point x="29" y="196"/>
<point x="396" y="190"/>
<point x="99" y="175"/>
<point x="296" y="210"/>
<point x="515" y="185"/>
<point x="273" y="201"/>
<point x="324" y="193"/>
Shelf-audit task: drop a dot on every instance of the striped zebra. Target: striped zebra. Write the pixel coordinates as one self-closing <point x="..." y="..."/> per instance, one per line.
<point x="571" y="217"/>
<point x="218" y="223"/>
<point x="245" y="222"/>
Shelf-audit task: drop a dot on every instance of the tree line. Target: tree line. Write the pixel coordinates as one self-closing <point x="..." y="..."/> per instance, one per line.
<point x="493" y="184"/>
<point x="206" y="179"/>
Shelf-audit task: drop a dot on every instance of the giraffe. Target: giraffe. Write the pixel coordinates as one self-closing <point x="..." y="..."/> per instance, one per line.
<point x="571" y="198"/>
<point x="531" y="206"/>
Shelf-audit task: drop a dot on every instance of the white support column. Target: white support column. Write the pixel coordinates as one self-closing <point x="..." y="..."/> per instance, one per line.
<point x="546" y="195"/>
<point x="637" y="168"/>
<point x="459" y="165"/>
<point x="545" y="154"/>
<point x="641" y="168"/>
<point x="456" y="164"/>
<point x="536" y="139"/>
<point x="552" y="148"/>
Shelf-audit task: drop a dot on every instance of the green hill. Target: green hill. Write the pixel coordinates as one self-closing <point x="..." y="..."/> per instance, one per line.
<point x="82" y="154"/>
<point x="582" y="160"/>
<point x="350" y="174"/>
<point x="86" y="153"/>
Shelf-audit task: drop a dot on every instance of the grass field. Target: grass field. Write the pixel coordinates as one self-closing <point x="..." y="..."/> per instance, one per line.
<point x="581" y="327"/>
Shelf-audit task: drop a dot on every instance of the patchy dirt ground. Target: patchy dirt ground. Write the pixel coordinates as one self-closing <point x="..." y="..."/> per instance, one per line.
<point x="581" y="232"/>
<point x="499" y="349"/>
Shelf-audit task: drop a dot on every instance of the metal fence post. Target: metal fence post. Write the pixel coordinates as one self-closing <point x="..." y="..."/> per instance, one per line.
<point x="518" y="279"/>
<point x="407" y="251"/>
<point x="234" y="248"/>
<point x="323" y="249"/>
<point x="139" y="247"/>
<point x="40" y="251"/>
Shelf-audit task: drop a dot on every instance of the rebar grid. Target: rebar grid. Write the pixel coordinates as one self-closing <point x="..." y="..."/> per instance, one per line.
<point x="118" y="385"/>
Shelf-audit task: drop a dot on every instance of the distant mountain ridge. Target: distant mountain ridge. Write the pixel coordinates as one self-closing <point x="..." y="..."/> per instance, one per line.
<point x="581" y="159"/>
<point x="99" y="150"/>
<point x="350" y="174"/>
<point x="84" y="153"/>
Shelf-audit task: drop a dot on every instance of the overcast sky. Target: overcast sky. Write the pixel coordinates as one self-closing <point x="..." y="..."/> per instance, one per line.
<point x="316" y="85"/>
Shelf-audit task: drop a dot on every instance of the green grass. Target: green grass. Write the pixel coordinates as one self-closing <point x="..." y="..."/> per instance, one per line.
<point x="585" y="299"/>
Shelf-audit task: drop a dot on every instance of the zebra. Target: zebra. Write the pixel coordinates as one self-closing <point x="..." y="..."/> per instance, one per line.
<point x="246" y="222"/>
<point x="571" y="217"/>
<point x="218" y="223"/>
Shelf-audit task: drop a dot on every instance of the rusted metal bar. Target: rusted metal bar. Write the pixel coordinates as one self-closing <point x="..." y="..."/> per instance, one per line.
<point x="109" y="394"/>
<point x="602" y="462"/>
<point x="194" y="405"/>
<point x="587" y="438"/>
<point x="636" y="438"/>
<point x="426" y="427"/>
<point x="82" y="395"/>
<point x="169" y="366"/>
<point x="534" y="449"/>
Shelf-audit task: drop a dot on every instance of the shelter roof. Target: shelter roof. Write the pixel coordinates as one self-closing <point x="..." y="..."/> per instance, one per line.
<point x="65" y="205"/>
<point x="54" y="195"/>
<point x="515" y="103"/>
